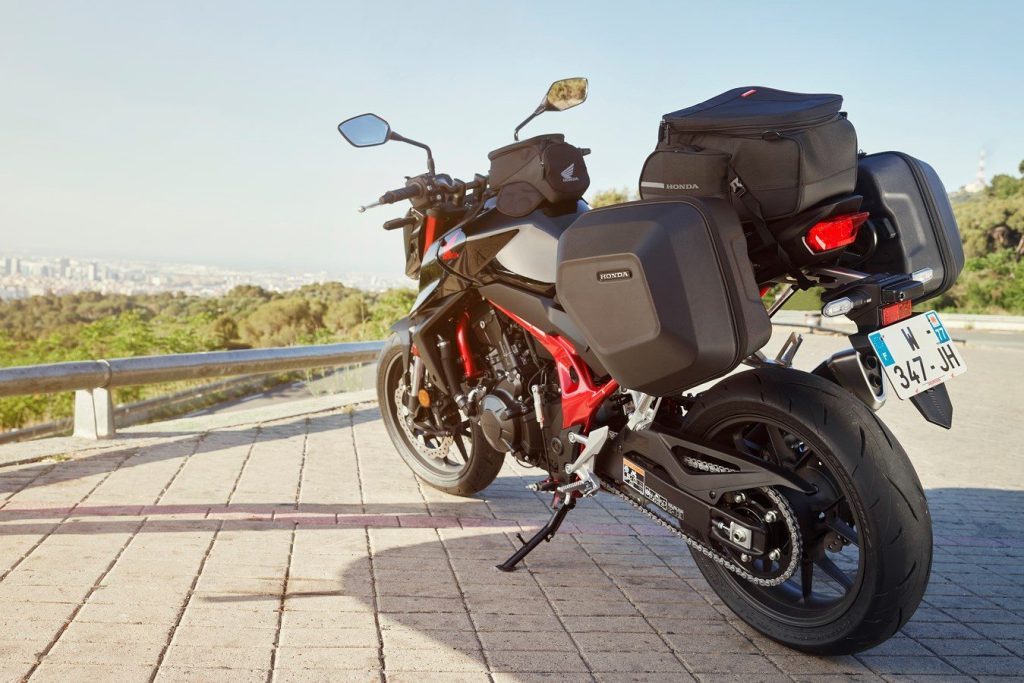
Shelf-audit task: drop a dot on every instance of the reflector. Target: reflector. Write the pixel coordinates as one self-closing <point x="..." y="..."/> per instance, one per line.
<point x="896" y="312"/>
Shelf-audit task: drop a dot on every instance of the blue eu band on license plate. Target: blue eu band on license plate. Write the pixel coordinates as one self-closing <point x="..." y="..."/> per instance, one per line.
<point x="881" y="349"/>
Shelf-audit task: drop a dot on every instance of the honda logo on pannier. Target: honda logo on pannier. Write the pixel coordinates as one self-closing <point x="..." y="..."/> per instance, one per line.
<point x="607" y="275"/>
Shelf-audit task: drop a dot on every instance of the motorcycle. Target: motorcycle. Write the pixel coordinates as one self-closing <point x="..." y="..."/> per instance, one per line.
<point x="799" y="506"/>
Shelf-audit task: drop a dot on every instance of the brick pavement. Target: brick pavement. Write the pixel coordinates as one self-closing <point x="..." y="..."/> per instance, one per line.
<point x="303" y="549"/>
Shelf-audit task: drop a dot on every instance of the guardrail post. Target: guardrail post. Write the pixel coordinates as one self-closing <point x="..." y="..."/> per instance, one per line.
<point x="94" y="414"/>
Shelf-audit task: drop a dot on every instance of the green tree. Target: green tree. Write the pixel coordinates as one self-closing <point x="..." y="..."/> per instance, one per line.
<point x="281" y="322"/>
<point x="612" y="196"/>
<point x="345" y="315"/>
<point x="1004" y="186"/>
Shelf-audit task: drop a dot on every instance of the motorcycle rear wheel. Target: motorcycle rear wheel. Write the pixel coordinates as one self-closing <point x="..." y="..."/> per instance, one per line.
<point x="439" y="462"/>
<point x="869" y="500"/>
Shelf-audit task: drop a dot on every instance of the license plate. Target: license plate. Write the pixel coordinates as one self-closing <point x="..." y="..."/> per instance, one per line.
<point x="917" y="354"/>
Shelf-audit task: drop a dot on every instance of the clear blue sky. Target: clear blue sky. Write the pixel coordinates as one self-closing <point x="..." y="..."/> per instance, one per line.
<point x="205" y="131"/>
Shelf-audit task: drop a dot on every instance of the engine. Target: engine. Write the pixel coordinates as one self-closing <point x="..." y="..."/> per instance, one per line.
<point x="513" y="397"/>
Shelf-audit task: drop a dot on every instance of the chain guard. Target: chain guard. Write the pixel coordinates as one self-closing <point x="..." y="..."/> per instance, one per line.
<point x="788" y="516"/>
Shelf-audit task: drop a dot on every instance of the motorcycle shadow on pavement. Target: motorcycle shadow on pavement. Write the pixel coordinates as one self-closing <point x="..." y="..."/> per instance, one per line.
<point x="603" y="601"/>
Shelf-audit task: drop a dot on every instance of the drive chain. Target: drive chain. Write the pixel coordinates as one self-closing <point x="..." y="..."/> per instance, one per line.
<point x="783" y="506"/>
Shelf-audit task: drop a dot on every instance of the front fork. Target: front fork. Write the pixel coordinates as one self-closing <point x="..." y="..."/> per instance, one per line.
<point x="416" y="372"/>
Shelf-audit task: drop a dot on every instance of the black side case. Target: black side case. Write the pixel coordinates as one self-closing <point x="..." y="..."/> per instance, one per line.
<point x="663" y="291"/>
<point x="912" y="218"/>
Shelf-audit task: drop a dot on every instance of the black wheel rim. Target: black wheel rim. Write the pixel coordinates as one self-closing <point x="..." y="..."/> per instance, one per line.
<point x="832" y="568"/>
<point x="455" y="458"/>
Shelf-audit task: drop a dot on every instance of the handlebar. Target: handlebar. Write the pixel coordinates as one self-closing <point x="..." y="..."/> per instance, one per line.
<point x="421" y="185"/>
<point x="407" y="192"/>
<point x="392" y="196"/>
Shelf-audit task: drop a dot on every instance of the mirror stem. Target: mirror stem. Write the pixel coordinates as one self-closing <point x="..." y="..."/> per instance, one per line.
<point x="536" y="112"/>
<point x="430" y="156"/>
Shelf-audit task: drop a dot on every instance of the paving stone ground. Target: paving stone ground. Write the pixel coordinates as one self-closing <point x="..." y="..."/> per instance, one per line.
<point x="303" y="549"/>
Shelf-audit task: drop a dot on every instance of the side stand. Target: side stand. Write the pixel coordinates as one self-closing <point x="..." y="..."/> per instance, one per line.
<point x="545" y="534"/>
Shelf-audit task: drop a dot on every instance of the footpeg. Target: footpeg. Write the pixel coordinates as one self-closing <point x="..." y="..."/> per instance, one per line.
<point x="587" y="485"/>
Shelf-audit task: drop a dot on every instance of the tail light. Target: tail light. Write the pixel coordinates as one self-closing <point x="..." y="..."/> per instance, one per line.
<point x="835" y="232"/>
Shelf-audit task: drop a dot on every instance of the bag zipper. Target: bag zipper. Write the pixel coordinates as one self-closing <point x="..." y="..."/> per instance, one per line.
<point x="760" y="129"/>
<point x="735" y="286"/>
<point x="932" y="211"/>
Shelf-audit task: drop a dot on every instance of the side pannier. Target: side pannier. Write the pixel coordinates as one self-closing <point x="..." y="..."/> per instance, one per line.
<point x="912" y="220"/>
<point x="785" y="151"/>
<point x="541" y="168"/>
<point x="662" y="291"/>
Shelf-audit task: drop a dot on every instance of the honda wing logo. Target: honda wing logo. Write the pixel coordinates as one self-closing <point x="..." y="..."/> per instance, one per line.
<point x="567" y="174"/>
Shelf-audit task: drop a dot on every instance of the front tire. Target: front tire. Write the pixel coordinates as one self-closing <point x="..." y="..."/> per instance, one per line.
<point x="830" y="606"/>
<point x="437" y="461"/>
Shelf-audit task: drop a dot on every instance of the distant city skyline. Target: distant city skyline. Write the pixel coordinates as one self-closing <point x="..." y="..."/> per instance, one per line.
<point x="206" y="132"/>
<point x="24" y="274"/>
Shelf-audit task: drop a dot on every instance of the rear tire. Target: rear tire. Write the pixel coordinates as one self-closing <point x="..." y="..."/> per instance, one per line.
<point x="882" y="494"/>
<point x="451" y="473"/>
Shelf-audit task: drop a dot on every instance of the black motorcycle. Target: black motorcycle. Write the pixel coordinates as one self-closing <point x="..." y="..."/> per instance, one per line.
<point x="582" y="342"/>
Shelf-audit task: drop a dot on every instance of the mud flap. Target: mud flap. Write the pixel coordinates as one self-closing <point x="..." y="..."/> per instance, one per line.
<point x="935" y="406"/>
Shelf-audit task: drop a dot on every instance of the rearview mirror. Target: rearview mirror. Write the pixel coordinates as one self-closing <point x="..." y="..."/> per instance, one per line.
<point x="566" y="94"/>
<point x="365" y="130"/>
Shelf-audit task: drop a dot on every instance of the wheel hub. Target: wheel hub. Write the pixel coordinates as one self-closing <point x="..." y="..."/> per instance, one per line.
<point x="763" y="513"/>
<point x="419" y="440"/>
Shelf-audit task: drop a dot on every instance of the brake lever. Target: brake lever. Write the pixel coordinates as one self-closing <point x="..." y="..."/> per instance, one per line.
<point x="398" y="223"/>
<point x="362" y="209"/>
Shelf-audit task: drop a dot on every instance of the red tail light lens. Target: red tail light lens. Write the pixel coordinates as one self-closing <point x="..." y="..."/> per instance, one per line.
<point x="836" y="232"/>
<point x="893" y="313"/>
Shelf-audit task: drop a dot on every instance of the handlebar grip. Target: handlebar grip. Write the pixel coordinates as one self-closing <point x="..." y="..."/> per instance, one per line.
<point x="399" y="223"/>
<point x="407" y="192"/>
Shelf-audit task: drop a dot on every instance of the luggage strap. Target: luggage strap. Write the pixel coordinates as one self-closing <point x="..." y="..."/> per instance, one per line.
<point x="740" y="192"/>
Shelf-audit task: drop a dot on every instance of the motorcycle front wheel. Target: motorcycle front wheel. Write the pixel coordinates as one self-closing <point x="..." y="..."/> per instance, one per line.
<point x="458" y="461"/>
<point x="866" y="531"/>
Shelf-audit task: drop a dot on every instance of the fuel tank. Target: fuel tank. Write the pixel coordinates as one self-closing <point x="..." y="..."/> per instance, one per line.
<point x="526" y="247"/>
<point x="494" y="247"/>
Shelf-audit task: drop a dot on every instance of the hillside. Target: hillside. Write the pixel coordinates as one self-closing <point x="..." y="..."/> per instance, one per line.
<point x="992" y="227"/>
<point x="49" y="329"/>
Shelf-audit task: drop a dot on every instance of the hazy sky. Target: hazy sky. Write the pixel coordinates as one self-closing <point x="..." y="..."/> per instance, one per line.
<point x="205" y="131"/>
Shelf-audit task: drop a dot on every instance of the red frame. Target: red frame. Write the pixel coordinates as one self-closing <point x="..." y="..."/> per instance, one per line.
<point x="430" y="225"/>
<point x="580" y="396"/>
<point x="462" y="341"/>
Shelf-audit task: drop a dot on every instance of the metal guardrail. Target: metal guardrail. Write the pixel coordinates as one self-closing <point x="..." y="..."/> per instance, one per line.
<point x="92" y="380"/>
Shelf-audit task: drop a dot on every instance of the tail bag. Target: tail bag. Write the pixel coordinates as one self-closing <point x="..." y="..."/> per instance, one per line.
<point x="781" y="152"/>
